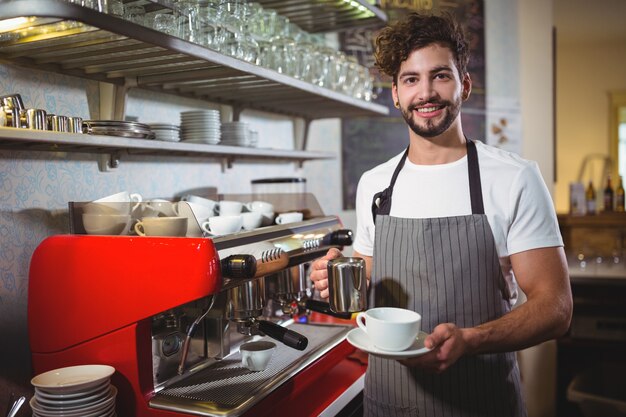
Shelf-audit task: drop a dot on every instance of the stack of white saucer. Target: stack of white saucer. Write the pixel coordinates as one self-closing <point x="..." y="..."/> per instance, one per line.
<point x="200" y="126"/>
<point x="165" y="131"/>
<point x="75" y="391"/>
<point x="236" y="134"/>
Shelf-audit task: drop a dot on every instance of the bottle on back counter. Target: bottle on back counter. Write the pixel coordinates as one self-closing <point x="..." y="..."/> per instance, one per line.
<point x="608" y="195"/>
<point x="590" y="198"/>
<point x="619" y="196"/>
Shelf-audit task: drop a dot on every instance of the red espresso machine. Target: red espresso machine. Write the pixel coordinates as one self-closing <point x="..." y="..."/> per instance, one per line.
<point x="170" y="312"/>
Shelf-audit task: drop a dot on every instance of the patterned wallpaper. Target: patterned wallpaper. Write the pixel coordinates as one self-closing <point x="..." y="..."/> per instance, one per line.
<point x="36" y="186"/>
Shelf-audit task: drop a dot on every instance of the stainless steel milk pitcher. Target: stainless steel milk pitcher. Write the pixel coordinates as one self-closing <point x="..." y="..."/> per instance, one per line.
<point x="347" y="285"/>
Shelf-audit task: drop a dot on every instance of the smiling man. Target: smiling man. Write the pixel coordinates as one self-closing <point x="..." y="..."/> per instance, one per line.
<point x="452" y="228"/>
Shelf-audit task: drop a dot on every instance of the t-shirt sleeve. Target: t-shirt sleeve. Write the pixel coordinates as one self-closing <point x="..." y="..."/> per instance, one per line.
<point x="364" y="239"/>
<point x="533" y="219"/>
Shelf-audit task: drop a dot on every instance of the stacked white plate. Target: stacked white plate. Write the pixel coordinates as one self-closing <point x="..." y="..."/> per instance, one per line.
<point x="236" y="134"/>
<point x="75" y="391"/>
<point x="200" y="126"/>
<point x="165" y="131"/>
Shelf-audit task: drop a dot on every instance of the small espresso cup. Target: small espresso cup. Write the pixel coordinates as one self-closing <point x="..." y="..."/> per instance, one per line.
<point x="389" y="328"/>
<point x="290" y="217"/>
<point x="228" y="208"/>
<point x="222" y="225"/>
<point x="256" y="355"/>
<point x="161" y="226"/>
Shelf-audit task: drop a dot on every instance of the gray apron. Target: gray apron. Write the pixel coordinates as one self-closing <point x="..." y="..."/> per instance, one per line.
<point x="447" y="269"/>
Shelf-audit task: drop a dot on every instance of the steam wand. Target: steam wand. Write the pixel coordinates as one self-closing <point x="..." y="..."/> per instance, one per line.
<point x="190" y="332"/>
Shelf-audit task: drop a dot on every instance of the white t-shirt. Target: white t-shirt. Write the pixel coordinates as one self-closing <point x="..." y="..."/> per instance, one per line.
<point x="517" y="203"/>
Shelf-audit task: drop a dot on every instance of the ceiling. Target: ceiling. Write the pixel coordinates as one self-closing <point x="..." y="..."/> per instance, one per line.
<point x="585" y="21"/>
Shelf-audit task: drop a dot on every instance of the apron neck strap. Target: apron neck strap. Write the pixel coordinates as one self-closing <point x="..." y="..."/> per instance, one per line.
<point x="381" y="203"/>
<point x="476" y="192"/>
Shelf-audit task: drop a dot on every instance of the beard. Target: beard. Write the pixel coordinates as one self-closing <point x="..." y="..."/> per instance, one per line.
<point x="431" y="127"/>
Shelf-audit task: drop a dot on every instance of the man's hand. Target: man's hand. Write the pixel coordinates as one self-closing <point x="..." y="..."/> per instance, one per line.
<point x="448" y="343"/>
<point x="319" y="273"/>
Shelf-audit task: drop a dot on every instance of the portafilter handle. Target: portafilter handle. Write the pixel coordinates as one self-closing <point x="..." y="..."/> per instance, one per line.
<point x="288" y="337"/>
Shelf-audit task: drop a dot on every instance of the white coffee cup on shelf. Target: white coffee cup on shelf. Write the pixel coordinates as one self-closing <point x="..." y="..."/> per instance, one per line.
<point x="164" y="208"/>
<point x="190" y="198"/>
<point x="390" y="328"/>
<point x="266" y="209"/>
<point x="259" y="206"/>
<point x="106" y="224"/>
<point x="256" y="355"/>
<point x="118" y="203"/>
<point x="290" y="217"/>
<point x="200" y="211"/>
<point x="161" y="226"/>
<point x="222" y="225"/>
<point x="252" y="220"/>
<point x="228" y="208"/>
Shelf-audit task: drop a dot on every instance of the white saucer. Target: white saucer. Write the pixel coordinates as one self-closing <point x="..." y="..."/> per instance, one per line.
<point x="359" y="339"/>
<point x="72" y="378"/>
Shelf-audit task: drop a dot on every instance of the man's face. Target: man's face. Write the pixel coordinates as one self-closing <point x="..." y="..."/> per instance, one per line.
<point x="430" y="90"/>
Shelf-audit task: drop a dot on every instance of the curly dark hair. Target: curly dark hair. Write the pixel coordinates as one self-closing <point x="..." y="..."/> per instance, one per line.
<point x="395" y="43"/>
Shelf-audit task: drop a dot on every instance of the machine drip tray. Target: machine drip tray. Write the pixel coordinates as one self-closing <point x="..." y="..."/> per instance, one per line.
<point x="229" y="389"/>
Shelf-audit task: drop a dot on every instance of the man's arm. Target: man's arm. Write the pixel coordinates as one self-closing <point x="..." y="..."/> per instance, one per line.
<point x="542" y="275"/>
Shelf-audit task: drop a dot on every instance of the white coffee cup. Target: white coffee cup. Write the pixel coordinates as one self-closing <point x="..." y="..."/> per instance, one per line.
<point x="200" y="200"/>
<point x="222" y="225"/>
<point x="106" y="224"/>
<point x="251" y="220"/>
<point x="200" y="211"/>
<point x="259" y="206"/>
<point x="256" y="355"/>
<point x="290" y="217"/>
<point x="161" y="226"/>
<point x="118" y="203"/>
<point x="228" y="208"/>
<point x="390" y="328"/>
<point x="163" y="207"/>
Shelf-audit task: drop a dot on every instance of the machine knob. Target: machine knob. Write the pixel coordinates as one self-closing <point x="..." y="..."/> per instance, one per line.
<point x="341" y="237"/>
<point x="239" y="267"/>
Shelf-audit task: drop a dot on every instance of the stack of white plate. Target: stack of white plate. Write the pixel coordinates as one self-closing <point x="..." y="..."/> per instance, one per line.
<point x="165" y="131"/>
<point x="75" y="391"/>
<point x="200" y="126"/>
<point x="236" y="134"/>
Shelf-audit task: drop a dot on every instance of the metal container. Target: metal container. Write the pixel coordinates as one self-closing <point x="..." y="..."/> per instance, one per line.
<point x="35" y="119"/>
<point x="58" y="123"/>
<point x="75" y="124"/>
<point x="347" y="285"/>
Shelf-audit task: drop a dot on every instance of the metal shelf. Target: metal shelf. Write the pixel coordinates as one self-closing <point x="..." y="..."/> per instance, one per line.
<point x="328" y="15"/>
<point x="114" y="147"/>
<point x="105" y="48"/>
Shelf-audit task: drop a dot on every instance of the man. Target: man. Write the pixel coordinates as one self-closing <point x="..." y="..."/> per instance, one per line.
<point x="451" y="228"/>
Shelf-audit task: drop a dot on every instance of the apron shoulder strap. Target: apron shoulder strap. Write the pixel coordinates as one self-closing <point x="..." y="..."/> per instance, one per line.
<point x="381" y="203"/>
<point x="476" y="192"/>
